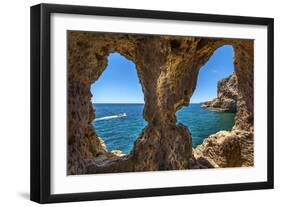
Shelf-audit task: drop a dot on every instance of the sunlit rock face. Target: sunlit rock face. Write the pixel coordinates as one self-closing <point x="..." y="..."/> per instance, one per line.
<point x="226" y="99"/>
<point x="167" y="67"/>
<point x="227" y="149"/>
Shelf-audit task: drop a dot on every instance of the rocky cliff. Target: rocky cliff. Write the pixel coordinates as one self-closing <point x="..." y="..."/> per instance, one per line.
<point x="227" y="93"/>
<point x="226" y="148"/>
<point x="167" y="67"/>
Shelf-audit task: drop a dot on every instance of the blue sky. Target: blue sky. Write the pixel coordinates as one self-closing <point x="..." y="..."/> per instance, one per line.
<point x="219" y="66"/>
<point x="119" y="82"/>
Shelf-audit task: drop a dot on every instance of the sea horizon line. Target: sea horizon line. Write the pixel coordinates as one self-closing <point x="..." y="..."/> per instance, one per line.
<point x="141" y="103"/>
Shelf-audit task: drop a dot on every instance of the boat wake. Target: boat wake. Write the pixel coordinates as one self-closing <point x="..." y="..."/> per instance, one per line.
<point x="111" y="117"/>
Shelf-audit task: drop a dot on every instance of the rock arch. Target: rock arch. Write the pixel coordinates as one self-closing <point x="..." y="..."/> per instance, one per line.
<point x="109" y="92"/>
<point x="167" y="67"/>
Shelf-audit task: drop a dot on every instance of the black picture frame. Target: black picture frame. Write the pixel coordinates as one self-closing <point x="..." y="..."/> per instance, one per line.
<point x="40" y="102"/>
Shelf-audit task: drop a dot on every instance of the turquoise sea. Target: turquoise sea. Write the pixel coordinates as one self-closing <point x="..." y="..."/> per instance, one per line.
<point x="119" y="125"/>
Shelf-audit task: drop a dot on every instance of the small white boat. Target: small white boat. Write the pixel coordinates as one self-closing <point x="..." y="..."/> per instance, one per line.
<point x="122" y="115"/>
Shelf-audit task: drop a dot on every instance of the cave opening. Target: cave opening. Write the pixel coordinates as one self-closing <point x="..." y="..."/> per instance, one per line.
<point x="211" y="88"/>
<point x="118" y="102"/>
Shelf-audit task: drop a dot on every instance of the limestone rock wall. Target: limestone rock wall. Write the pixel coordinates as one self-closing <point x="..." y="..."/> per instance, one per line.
<point x="167" y="67"/>
<point x="227" y="149"/>
<point x="227" y="93"/>
<point x="244" y="64"/>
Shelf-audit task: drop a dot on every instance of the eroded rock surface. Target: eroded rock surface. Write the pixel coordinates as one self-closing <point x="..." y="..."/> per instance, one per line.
<point x="167" y="67"/>
<point x="227" y="93"/>
<point x="227" y="149"/>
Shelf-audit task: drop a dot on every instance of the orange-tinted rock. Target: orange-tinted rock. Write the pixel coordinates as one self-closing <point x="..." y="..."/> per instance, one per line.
<point x="226" y="99"/>
<point x="167" y="67"/>
<point x="227" y="149"/>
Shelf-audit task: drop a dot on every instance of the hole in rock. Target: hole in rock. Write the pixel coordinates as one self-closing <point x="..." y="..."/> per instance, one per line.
<point x="203" y="122"/>
<point x="118" y="102"/>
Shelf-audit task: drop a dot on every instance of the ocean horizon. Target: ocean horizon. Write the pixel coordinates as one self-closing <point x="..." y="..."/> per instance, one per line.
<point x="120" y="124"/>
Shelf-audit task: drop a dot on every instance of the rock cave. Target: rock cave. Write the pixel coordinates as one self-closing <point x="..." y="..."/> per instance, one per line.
<point x="167" y="67"/>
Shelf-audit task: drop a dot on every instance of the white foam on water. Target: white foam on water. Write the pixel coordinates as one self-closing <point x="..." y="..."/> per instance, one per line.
<point x="111" y="117"/>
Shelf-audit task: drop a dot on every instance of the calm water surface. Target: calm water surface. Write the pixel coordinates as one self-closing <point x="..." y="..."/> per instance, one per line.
<point x="119" y="125"/>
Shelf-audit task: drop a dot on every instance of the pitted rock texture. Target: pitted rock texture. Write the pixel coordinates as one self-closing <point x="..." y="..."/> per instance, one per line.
<point x="227" y="93"/>
<point x="227" y="149"/>
<point x="167" y="67"/>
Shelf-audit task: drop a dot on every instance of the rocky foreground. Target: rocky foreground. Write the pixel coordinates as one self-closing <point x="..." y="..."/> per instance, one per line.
<point x="226" y="99"/>
<point x="225" y="149"/>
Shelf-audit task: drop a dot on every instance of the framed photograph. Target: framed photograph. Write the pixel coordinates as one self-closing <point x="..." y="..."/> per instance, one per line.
<point x="132" y="103"/>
